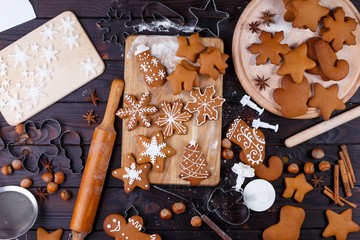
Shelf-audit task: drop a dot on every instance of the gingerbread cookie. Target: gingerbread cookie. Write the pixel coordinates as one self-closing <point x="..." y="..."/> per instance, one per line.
<point x="331" y="66"/>
<point x="212" y="63"/>
<point x="154" y="150"/>
<point x="173" y="118"/>
<point x="296" y="62"/>
<point x="289" y="226"/>
<point x="154" y="73"/>
<point x="204" y="104"/>
<point x="340" y="225"/>
<point x="182" y="79"/>
<point x="132" y="174"/>
<point x="270" y="48"/>
<point x="307" y="13"/>
<point x="42" y="234"/>
<point x="311" y="53"/>
<point x="289" y="15"/>
<point x="193" y="165"/>
<point x="190" y="48"/>
<point x="209" y="50"/>
<point x="297" y="186"/>
<point x="326" y="99"/>
<point x="137" y="111"/>
<point x="338" y="30"/>
<point x="116" y="226"/>
<point x="292" y="97"/>
<point x="251" y="141"/>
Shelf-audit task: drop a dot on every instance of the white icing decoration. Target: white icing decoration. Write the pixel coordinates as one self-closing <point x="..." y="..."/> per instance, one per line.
<point x="132" y="174"/>
<point x="71" y="40"/>
<point x="88" y="66"/>
<point x="67" y="24"/>
<point x="49" y="53"/>
<point x="35" y="47"/>
<point x="136" y="224"/>
<point x="43" y="72"/>
<point x="141" y="48"/>
<point x="153" y="149"/>
<point x="20" y="56"/>
<point x="5" y="82"/>
<point x="14" y="102"/>
<point x="194" y="161"/>
<point x="3" y="68"/>
<point x="117" y="228"/>
<point x="48" y="32"/>
<point x="35" y="91"/>
<point x="19" y="116"/>
<point x="2" y="103"/>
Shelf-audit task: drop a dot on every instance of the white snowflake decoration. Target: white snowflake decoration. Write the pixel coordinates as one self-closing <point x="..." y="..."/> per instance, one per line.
<point x="149" y="79"/>
<point x="18" y="85"/>
<point x="153" y="150"/>
<point x="35" y="47"/>
<point x="88" y="66"/>
<point x="14" y="102"/>
<point x="3" y="91"/>
<point x="48" y="32"/>
<point x="43" y="72"/>
<point x="3" y="68"/>
<point x="5" y="82"/>
<point x="19" y="115"/>
<point x="71" y="41"/>
<point x="132" y="174"/>
<point x="67" y="24"/>
<point x="49" y="53"/>
<point x="154" y="62"/>
<point x="144" y="67"/>
<point x="162" y="74"/>
<point x="20" y="56"/>
<point x="2" y="103"/>
<point x="35" y="91"/>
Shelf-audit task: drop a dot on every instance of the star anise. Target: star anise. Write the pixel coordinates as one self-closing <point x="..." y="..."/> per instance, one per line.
<point x="90" y="117"/>
<point x="94" y="98"/>
<point x="41" y="193"/>
<point x="267" y="17"/>
<point x="261" y="82"/>
<point x="48" y="165"/>
<point x="254" y="27"/>
<point x="317" y="181"/>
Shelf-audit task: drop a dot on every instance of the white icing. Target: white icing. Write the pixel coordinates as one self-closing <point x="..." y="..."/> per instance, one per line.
<point x="132" y="174"/>
<point x="154" y="149"/>
<point x="48" y="32"/>
<point x="141" y="48"/>
<point x="89" y="66"/>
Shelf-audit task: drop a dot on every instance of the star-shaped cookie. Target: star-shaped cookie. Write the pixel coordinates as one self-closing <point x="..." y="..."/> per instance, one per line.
<point x="154" y="150"/>
<point x="132" y="174"/>
<point x="297" y="185"/>
<point x="340" y="225"/>
<point x="42" y="234"/>
<point x="296" y="62"/>
<point x="326" y="99"/>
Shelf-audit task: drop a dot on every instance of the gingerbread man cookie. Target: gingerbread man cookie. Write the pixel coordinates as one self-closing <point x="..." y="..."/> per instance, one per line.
<point x="297" y="186"/>
<point x="42" y="234"/>
<point x="340" y="225"/>
<point x="137" y="111"/>
<point x="190" y="48"/>
<point x="154" y="73"/>
<point x="116" y="226"/>
<point x="204" y="104"/>
<point x="154" y="150"/>
<point x="270" y="48"/>
<point x="133" y="175"/>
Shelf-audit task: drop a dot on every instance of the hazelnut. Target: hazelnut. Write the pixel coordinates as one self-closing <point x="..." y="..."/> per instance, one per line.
<point x="65" y="195"/>
<point x="196" y="221"/>
<point x="17" y="164"/>
<point x="317" y="153"/>
<point x="227" y="154"/>
<point x="226" y="143"/>
<point x="59" y="177"/>
<point x="26" y="183"/>
<point x="293" y="168"/>
<point x="19" y="129"/>
<point x="165" y="214"/>
<point x="178" y="207"/>
<point x="47" y="177"/>
<point x="52" y="187"/>
<point x="324" y="166"/>
<point x="309" y="168"/>
<point x="6" y="170"/>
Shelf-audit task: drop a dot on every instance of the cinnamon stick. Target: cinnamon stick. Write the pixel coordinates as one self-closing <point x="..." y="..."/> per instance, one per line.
<point x="331" y="196"/>
<point x="345" y="179"/>
<point x="348" y="162"/>
<point x="327" y="189"/>
<point x="342" y="156"/>
<point x="336" y="183"/>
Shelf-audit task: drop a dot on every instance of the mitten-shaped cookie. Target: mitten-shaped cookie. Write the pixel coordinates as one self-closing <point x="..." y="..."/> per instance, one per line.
<point x="153" y="71"/>
<point x="116" y="226"/>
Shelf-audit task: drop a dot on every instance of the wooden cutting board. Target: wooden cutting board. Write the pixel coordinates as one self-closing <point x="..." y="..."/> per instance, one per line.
<point x="44" y="66"/>
<point x="208" y="135"/>
<point x="245" y="64"/>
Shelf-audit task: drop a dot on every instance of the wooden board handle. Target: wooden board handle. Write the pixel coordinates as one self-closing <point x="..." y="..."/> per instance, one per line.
<point x="116" y="90"/>
<point x="323" y="127"/>
<point x="215" y="227"/>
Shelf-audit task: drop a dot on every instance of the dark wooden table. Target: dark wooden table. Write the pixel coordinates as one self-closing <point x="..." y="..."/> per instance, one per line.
<point x="55" y="213"/>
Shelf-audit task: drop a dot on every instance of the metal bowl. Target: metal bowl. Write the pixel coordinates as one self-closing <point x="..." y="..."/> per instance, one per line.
<point x="18" y="211"/>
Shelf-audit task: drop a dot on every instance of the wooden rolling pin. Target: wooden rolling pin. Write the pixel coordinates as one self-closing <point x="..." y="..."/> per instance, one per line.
<point x="323" y="127"/>
<point x="96" y="166"/>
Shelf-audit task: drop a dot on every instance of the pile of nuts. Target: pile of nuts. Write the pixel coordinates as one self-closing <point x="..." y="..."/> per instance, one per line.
<point x="178" y="208"/>
<point x="309" y="167"/>
<point x="227" y="153"/>
<point x="15" y="165"/>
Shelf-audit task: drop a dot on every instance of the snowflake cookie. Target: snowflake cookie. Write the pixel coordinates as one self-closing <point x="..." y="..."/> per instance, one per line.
<point x="137" y="111"/>
<point x="132" y="174"/>
<point x="204" y="104"/>
<point x="173" y="118"/>
<point x="154" y="150"/>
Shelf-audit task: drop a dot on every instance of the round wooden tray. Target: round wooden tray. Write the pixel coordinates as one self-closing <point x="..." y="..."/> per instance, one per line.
<point x="245" y="63"/>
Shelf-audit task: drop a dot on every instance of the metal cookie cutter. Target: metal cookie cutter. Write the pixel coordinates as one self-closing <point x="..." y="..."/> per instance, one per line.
<point x="70" y="140"/>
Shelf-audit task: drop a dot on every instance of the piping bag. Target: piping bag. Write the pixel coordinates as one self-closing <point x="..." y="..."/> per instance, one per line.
<point x="96" y="166"/>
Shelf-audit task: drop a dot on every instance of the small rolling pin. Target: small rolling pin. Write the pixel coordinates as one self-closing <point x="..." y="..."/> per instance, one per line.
<point x="96" y="166"/>
<point x="323" y="127"/>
